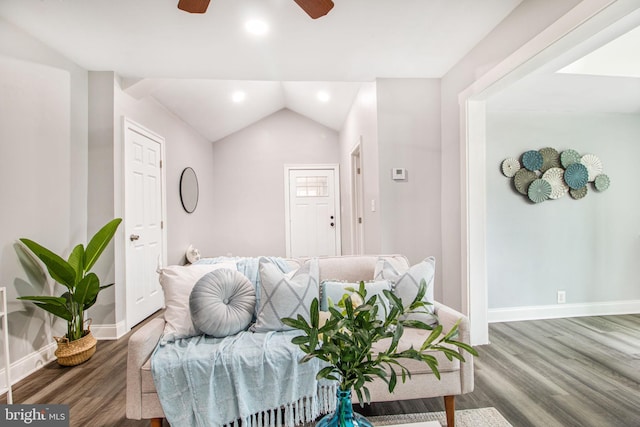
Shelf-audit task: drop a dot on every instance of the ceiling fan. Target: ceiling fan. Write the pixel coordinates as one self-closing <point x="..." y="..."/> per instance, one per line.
<point x="314" y="8"/>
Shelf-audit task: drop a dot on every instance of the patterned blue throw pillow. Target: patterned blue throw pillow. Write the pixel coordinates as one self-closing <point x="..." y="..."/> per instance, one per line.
<point x="285" y="295"/>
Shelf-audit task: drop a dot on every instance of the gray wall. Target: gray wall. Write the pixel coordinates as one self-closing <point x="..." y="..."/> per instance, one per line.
<point x="43" y="138"/>
<point x="248" y="182"/>
<point x="34" y="107"/>
<point x="587" y="247"/>
<point x="101" y="186"/>
<point x="409" y="137"/>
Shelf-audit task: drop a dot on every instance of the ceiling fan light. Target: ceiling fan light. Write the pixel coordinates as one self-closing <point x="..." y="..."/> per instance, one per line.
<point x="323" y="96"/>
<point x="256" y="27"/>
<point x="238" y="96"/>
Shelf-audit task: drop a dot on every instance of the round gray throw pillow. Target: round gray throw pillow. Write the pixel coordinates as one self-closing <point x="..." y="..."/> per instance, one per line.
<point x="222" y="303"/>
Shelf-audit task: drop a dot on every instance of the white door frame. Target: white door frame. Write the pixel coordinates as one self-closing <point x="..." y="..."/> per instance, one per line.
<point x="287" y="201"/>
<point x="128" y="124"/>
<point x="357" y="200"/>
<point x="586" y="19"/>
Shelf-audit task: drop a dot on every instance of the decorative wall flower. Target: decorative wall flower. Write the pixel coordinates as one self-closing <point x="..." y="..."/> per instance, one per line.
<point x="546" y="174"/>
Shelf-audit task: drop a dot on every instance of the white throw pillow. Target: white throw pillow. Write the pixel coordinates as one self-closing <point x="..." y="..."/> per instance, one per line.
<point x="177" y="281"/>
<point x="283" y="296"/>
<point x="406" y="284"/>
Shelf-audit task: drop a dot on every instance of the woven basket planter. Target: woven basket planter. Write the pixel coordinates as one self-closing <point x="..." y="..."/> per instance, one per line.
<point x="72" y="353"/>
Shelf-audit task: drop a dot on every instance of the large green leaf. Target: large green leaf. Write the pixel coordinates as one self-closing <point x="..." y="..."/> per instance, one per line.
<point x="61" y="312"/>
<point x="54" y="305"/>
<point x="99" y="242"/>
<point x="47" y="300"/>
<point x="59" y="269"/>
<point x="88" y="304"/>
<point x="87" y="289"/>
<point x="76" y="260"/>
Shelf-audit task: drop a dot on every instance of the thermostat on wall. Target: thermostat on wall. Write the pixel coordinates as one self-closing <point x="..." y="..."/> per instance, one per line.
<point x="399" y="174"/>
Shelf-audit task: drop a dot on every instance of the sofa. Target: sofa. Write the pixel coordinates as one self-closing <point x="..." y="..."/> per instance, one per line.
<point x="142" y="400"/>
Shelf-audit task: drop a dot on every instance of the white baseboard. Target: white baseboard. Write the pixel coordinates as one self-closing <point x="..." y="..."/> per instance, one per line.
<point x="512" y="314"/>
<point x="109" y="332"/>
<point x="30" y="363"/>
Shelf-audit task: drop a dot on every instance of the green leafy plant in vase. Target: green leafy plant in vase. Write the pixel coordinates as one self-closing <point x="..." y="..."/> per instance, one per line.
<point x="82" y="289"/>
<point x="344" y="339"/>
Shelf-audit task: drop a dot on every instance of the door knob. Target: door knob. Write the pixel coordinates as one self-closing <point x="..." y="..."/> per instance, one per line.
<point x="134" y="237"/>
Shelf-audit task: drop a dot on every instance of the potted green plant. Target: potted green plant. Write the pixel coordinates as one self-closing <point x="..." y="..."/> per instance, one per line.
<point x="82" y="289"/>
<point x="344" y="341"/>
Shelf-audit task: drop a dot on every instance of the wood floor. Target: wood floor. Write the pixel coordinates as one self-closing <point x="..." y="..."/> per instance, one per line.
<point x="582" y="372"/>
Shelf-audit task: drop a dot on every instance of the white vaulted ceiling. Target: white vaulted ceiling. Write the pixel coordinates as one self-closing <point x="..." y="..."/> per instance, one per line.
<point x="212" y="55"/>
<point x="207" y="105"/>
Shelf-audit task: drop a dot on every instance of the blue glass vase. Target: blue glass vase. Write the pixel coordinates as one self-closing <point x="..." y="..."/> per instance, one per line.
<point x="344" y="415"/>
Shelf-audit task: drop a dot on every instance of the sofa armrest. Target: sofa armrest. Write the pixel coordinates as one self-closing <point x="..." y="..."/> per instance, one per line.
<point x="448" y="317"/>
<point x="141" y="345"/>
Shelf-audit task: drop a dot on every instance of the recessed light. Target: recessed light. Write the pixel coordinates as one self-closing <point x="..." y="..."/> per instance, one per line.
<point x="238" y="96"/>
<point x="256" y="27"/>
<point x="323" y="96"/>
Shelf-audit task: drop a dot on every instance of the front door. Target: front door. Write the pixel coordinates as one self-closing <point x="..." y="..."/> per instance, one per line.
<point x="143" y="220"/>
<point x="313" y="222"/>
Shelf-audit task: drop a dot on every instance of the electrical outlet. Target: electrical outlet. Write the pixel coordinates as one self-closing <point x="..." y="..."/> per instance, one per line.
<point x="562" y="297"/>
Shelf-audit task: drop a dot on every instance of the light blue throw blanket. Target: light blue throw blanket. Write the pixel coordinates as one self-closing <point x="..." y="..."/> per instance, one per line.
<point x="251" y="378"/>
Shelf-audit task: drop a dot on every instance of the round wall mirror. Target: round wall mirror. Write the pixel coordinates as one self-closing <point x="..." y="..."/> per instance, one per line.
<point x="189" y="190"/>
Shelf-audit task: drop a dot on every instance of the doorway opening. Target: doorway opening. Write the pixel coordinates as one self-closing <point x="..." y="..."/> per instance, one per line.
<point x="357" y="191"/>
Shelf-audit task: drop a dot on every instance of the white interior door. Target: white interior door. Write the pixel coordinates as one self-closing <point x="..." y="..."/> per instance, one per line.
<point x="313" y="205"/>
<point x="143" y="221"/>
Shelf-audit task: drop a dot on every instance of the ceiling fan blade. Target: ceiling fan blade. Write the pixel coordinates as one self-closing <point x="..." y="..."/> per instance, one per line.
<point x="315" y="8"/>
<point x="193" y="6"/>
